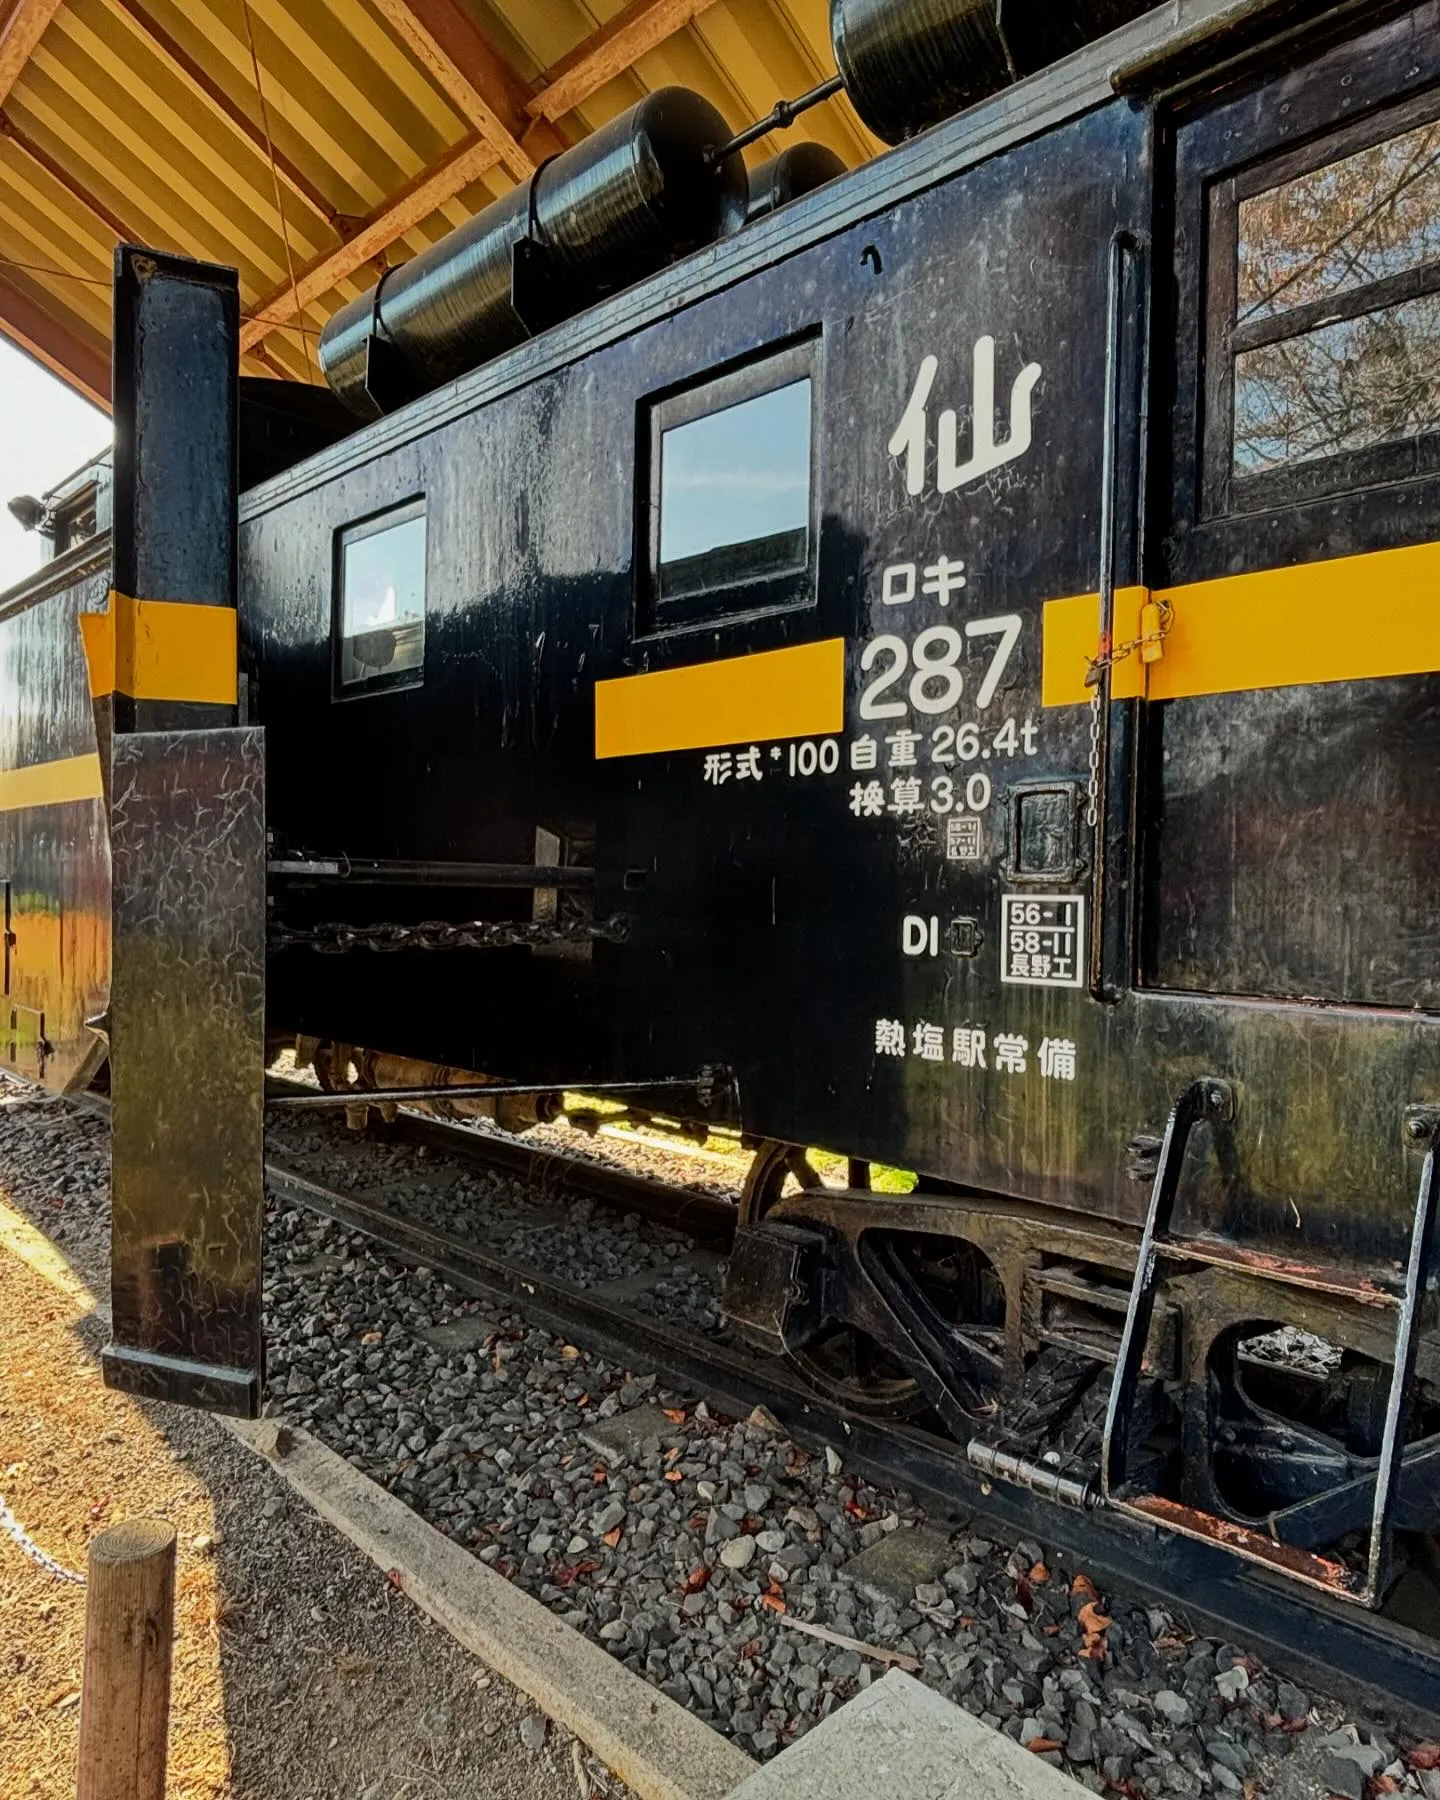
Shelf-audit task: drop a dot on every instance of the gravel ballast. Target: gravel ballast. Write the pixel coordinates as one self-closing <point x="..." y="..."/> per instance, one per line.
<point x="300" y="1672"/>
<point x="690" y="1545"/>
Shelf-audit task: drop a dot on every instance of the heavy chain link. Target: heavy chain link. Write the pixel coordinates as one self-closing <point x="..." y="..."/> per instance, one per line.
<point x="338" y="939"/>
<point x="18" y="1535"/>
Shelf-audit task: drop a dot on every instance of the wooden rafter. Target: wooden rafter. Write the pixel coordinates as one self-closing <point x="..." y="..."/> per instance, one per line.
<point x="464" y="66"/>
<point x="198" y="77"/>
<point x="80" y="365"/>
<point x="58" y="173"/>
<point x="268" y="363"/>
<point x="510" y="120"/>
<point x="634" y="31"/>
<point x="19" y="35"/>
<point x="399" y="214"/>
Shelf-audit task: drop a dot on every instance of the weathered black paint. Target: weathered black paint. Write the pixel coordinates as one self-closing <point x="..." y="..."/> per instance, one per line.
<point x="176" y="448"/>
<point x="1323" y="797"/>
<point x="187" y="839"/>
<point x="765" y="922"/>
<point x="533" y="576"/>
<point x="765" y="919"/>
<point x="54" y="858"/>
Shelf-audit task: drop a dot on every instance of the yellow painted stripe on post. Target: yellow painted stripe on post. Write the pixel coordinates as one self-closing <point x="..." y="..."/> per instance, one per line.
<point x="799" y="692"/>
<point x="162" y="650"/>
<point x="1353" y="618"/>
<point x="51" y="783"/>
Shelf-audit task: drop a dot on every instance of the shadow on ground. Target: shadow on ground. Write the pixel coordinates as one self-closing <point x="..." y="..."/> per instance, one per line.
<point x="330" y="1684"/>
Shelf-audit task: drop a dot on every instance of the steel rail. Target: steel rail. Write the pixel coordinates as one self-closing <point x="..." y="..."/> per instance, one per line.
<point x="309" y="1099"/>
<point x="707" y="1218"/>
<point x="734" y="1377"/>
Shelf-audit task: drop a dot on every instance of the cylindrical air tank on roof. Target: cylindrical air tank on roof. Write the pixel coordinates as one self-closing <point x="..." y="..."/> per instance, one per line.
<point x="635" y="195"/>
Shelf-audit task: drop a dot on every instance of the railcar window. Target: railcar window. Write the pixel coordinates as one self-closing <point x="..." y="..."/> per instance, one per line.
<point x="381" y="602"/>
<point x="76" y="523"/>
<point x="1372" y="214"/>
<point x="735" y="493"/>
<point x="732" y="493"/>
<point x="1346" y="386"/>
<point x="1326" y="359"/>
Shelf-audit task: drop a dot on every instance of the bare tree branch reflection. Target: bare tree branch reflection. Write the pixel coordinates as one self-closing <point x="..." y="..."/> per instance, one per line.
<point x="1349" y="383"/>
<point x="1374" y="214"/>
<point x="1359" y="382"/>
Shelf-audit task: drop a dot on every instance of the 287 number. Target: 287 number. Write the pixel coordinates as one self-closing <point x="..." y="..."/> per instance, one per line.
<point x="933" y="664"/>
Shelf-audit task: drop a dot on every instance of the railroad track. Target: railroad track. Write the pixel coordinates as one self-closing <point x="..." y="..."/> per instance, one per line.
<point x="1395" y="1667"/>
<point x="707" y="1218"/>
<point x="1399" y="1668"/>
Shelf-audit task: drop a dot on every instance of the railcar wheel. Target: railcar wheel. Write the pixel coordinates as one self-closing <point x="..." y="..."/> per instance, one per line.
<point x="852" y="1369"/>
<point x="772" y="1168"/>
<point x="845" y="1364"/>
<point x="332" y="1067"/>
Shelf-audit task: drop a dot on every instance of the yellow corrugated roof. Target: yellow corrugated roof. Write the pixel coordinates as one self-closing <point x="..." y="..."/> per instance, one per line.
<point x="374" y="128"/>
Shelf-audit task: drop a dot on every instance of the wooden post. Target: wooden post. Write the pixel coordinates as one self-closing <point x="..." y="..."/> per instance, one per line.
<point x="125" y="1694"/>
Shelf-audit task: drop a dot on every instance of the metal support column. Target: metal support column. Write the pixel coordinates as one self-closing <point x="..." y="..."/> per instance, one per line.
<point x="187" y="832"/>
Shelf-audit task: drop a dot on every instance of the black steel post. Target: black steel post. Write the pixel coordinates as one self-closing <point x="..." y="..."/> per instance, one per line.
<point x="187" y="833"/>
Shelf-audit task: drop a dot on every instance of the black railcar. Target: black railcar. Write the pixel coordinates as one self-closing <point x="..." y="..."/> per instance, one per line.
<point x="948" y="672"/>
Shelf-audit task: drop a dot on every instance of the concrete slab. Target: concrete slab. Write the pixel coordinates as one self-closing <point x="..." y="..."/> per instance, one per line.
<point x="898" y="1563"/>
<point x="465" y="1333"/>
<point x="900" y="1739"/>
<point x="629" y="1436"/>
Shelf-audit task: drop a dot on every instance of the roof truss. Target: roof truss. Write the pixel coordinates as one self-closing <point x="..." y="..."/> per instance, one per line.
<point x="398" y="215"/>
<point x="452" y="51"/>
<point x="618" y="45"/>
<point x="388" y="111"/>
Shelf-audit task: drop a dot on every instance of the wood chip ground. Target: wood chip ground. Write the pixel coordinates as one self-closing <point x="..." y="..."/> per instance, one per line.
<point x="299" y="1672"/>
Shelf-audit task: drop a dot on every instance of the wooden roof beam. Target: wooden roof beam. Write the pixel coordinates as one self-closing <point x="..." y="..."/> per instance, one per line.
<point x="76" y="189"/>
<point x="401" y="213"/>
<point x="80" y="365"/>
<point x="620" y="43"/>
<point x="199" y="77"/>
<point x="19" y="35"/>
<point x="269" y="364"/>
<point x="475" y="78"/>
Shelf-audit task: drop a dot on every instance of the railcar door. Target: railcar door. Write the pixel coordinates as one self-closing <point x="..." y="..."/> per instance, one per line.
<point x="1292" y="766"/>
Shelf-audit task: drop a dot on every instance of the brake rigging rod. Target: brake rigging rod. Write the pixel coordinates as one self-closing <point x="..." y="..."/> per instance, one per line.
<point x="479" y="1091"/>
